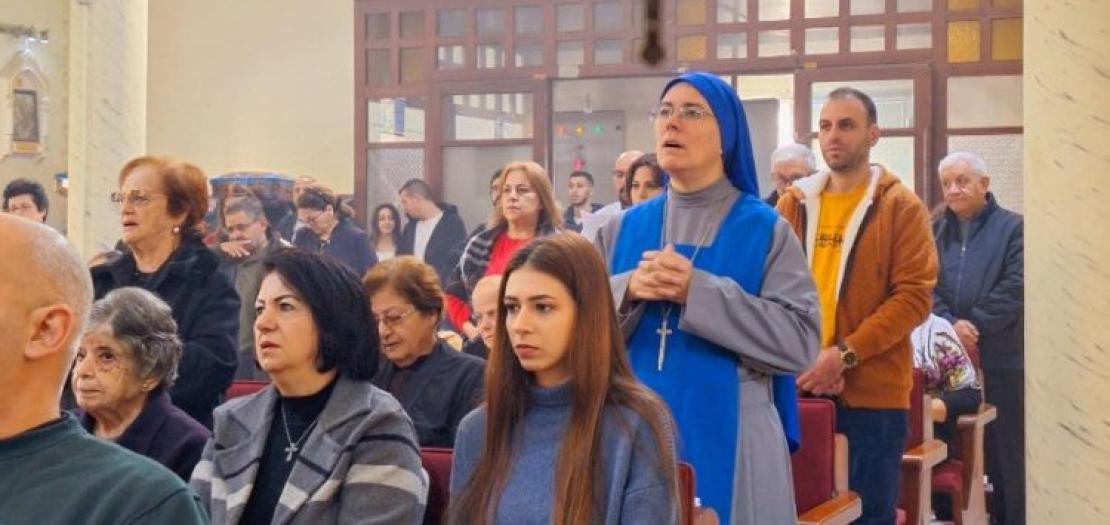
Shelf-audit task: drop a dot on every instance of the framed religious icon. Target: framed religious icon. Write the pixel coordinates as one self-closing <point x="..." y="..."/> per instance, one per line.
<point x="24" y="105"/>
<point x="25" y="116"/>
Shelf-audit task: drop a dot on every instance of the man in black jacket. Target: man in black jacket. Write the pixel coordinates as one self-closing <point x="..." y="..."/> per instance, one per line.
<point x="434" y="233"/>
<point x="981" y="292"/>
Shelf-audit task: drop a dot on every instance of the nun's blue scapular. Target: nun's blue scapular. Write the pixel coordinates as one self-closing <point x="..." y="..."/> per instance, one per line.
<point x="751" y="318"/>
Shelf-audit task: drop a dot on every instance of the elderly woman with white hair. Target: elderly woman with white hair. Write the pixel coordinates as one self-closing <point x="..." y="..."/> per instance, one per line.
<point x="125" y="366"/>
<point x="789" y="163"/>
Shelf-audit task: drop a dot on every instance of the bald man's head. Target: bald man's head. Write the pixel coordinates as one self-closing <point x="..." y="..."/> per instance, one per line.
<point x="620" y="171"/>
<point x="45" y="296"/>
<point x="484" y="301"/>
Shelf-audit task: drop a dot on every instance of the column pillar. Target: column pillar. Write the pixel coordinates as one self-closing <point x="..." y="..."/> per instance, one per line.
<point x="107" y="112"/>
<point x="1067" y="261"/>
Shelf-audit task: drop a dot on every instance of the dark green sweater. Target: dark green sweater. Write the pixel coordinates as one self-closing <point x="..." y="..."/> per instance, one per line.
<point x="59" y="474"/>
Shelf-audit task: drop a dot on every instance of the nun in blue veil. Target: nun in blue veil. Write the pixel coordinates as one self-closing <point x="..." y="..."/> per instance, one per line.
<point x="717" y="304"/>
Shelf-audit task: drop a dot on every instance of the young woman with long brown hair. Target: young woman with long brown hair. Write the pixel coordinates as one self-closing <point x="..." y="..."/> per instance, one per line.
<point x="560" y="392"/>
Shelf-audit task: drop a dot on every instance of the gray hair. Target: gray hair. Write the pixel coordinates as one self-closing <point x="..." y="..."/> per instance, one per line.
<point x="954" y="158"/>
<point x="246" y="204"/>
<point x="794" y="151"/>
<point x="143" y="324"/>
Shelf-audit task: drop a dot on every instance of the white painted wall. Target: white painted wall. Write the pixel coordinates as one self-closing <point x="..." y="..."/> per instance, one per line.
<point x="52" y="15"/>
<point x="254" y="85"/>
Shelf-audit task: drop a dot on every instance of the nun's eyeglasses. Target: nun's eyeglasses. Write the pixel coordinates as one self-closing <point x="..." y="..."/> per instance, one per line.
<point x="687" y="113"/>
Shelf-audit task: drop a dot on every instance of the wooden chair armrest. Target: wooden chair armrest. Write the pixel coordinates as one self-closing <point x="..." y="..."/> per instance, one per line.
<point x="841" y="466"/>
<point x="986" y="414"/>
<point x="927" y="454"/>
<point x="845" y="508"/>
<point x="706" y="516"/>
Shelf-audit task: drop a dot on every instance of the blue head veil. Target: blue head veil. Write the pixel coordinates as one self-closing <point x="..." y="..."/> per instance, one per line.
<point x="732" y="123"/>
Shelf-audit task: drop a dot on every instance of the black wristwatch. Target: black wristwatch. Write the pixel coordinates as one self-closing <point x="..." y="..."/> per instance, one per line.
<point x="847" y="355"/>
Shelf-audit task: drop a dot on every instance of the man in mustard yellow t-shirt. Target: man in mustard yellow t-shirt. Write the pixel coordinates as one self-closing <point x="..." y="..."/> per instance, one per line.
<point x="871" y="249"/>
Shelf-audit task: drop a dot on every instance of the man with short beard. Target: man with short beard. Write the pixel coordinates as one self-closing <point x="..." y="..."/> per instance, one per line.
<point x="871" y="250"/>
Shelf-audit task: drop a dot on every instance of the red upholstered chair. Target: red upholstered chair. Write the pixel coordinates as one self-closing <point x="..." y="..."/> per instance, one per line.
<point x="923" y="452"/>
<point x="437" y="463"/>
<point x="244" y="388"/>
<point x="820" y="468"/>
<point x="961" y="476"/>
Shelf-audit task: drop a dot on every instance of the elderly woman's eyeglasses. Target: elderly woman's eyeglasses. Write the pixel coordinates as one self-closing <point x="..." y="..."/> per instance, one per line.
<point x="134" y="198"/>
<point x="687" y="113"/>
<point x="393" y="318"/>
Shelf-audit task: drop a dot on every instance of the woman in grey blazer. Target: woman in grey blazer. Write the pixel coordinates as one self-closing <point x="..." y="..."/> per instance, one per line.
<point x="321" y="444"/>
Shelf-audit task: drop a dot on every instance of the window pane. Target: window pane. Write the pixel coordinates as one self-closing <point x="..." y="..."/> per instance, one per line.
<point x="692" y="47"/>
<point x="494" y="116"/>
<point x="412" y="24"/>
<point x="388" y="168"/>
<point x="528" y="54"/>
<point x="608" y="52"/>
<point x="868" y="7"/>
<point x="379" y="71"/>
<point x="822" y="40"/>
<point x="395" y="120"/>
<point x="894" y="100"/>
<point x="570" y="18"/>
<point x="894" y="153"/>
<point x="963" y="5"/>
<point x="984" y="101"/>
<point x="915" y="36"/>
<point x="774" y="43"/>
<point x="774" y="10"/>
<point x="490" y="56"/>
<point x="377" y="26"/>
<point x="963" y="41"/>
<point x="1006" y="39"/>
<point x="412" y="65"/>
<point x="914" y="6"/>
<point x="450" y="57"/>
<point x="467" y="182"/>
<point x="529" y="19"/>
<point x="570" y="54"/>
<point x="732" y="45"/>
<point x="732" y="11"/>
<point x="608" y="17"/>
<point x="692" y="12"/>
<point x="868" y="38"/>
<point x="490" y="22"/>
<point x="451" y="23"/>
<point x="822" y="8"/>
<point x="1002" y="154"/>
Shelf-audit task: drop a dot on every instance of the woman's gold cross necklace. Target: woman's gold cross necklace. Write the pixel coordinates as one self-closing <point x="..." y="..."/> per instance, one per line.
<point x="663" y="330"/>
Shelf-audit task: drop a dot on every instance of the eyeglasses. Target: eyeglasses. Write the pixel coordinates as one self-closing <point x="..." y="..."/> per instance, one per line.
<point x="134" y="198"/>
<point x="686" y="113"/>
<point x="394" y="318"/>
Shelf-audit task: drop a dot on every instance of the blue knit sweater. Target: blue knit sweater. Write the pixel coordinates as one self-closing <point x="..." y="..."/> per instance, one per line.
<point x="631" y="486"/>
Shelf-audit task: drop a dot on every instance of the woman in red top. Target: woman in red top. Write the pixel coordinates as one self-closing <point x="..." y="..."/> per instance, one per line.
<point x="526" y="210"/>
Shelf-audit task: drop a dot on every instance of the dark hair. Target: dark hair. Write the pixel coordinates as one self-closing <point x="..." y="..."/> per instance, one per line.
<point x="339" y="306"/>
<point x="412" y="279"/>
<point x="584" y="174"/>
<point x="496" y="175"/>
<point x="417" y="187"/>
<point x="868" y="104"/>
<point x="601" y="376"/>
<point x="19" y="187"/>
<point x="646" y="160"/>
<point x="319" y="198"/>
<point x="185" y="186"/>
<point x="375" y="230"/>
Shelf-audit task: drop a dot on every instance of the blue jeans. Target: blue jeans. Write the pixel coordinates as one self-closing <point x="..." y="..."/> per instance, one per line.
<point x="876" y="440"/>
